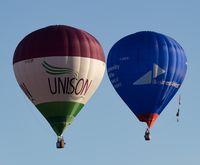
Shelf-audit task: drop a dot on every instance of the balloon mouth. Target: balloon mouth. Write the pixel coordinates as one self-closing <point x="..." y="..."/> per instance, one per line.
<point x="148" y="118"/>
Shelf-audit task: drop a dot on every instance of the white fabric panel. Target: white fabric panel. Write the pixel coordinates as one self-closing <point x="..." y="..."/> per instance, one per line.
<point x="80" y="76"/>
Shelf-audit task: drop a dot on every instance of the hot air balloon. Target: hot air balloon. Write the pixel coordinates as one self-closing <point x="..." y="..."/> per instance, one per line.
<point x="146" y="69"/>
<point x="59" y="68"/>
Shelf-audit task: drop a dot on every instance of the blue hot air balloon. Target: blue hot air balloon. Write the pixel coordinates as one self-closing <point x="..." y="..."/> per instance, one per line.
<point x="146" y="69"/>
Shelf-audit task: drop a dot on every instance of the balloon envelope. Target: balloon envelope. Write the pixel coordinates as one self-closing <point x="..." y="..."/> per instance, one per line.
<point x="59" y="68"/>
<point x="146" y="69"/>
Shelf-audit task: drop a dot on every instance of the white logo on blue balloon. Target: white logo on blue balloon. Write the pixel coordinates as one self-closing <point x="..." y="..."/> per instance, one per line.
<point x="151" y="78"/>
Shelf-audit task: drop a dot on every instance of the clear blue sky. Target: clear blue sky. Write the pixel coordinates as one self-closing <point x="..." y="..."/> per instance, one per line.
<point x="105" y="131"/>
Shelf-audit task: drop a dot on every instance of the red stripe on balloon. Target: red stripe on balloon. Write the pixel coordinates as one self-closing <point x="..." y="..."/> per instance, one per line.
<point x="148" y="118"/>
<point x="58" y="40"/>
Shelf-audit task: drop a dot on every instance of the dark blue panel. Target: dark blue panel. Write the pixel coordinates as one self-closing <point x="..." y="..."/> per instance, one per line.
<point x="146" y="69"/>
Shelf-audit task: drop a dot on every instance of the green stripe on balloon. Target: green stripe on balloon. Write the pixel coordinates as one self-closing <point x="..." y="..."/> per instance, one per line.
<point x="59" y="114"/>
<point x="54" y="70"/>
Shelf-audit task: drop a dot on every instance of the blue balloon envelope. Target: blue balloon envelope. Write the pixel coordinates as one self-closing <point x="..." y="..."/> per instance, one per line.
<point x="146" y="69"/>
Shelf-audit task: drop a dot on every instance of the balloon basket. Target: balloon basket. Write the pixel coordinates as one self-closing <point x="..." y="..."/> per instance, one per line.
<point x="60" y="143"/>
<point x="147" y="135"/>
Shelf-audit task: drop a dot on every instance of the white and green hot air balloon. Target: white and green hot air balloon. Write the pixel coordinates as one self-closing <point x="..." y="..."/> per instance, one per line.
<point x="59" y="68"/>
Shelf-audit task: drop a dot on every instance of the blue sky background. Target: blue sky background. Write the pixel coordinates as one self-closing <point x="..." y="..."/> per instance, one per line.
<point x="105" y="131"/>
